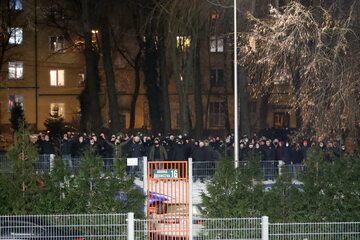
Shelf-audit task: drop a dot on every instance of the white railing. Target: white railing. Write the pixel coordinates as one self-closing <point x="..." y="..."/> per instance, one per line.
<point x="126" y="227"/>
<point x="315" y="231"/>
<point x="201" y="169"/>
<point x="75" y="226"/>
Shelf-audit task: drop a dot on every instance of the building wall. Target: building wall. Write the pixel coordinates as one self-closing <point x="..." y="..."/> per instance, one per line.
<point x="37" y="73"/>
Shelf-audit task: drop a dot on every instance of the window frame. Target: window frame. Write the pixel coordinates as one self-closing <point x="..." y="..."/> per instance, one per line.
<point x="59" y="40"/>
<point x="216" y="118"/>
<point x="16" y="5"/>
<point x="215" y="79"/>
<point x="53" y="104"/>
<point x="13" y="35"/>
<point x="11" y="102"/>
<point x="57" y="78"/>
<point x="17" y="65"/>
<point x="215" y="41"/>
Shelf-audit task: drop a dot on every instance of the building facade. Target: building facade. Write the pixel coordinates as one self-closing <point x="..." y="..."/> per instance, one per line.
<point x="45" y="75"/>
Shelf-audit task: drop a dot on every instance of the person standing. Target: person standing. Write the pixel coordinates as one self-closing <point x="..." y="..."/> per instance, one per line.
<point x="157" y="152"/>
<point x="135" y="149"/>
<point x="65" y="150"/>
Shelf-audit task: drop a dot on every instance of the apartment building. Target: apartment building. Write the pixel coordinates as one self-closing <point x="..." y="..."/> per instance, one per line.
<point x="46" y="77"/>
<point x="36" y="70"/>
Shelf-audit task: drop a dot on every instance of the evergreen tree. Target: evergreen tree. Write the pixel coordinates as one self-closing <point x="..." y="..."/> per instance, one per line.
<point x="330" y="188"/>
<point x="330" y="191"/>
<point x="280" y="200"/>
<point x="17" y="116"/>
<point x="55" y="194"/>
<point x="235" y="192"/>
<point x="23" y="186"/>
<point x="5" y="202"/>
<point x="55" y="125"/>
<point x="91" y="190"/>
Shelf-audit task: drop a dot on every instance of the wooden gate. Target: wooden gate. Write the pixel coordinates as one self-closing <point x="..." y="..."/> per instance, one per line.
<point x="168" y="208"/>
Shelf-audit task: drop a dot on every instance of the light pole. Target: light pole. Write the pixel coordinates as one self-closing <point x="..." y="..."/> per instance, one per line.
<point x="236" y="114"/>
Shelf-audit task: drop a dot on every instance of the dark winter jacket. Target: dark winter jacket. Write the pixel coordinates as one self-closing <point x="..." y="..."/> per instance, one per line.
<point x="77" y="148"/>
<point x="135" y="149"/>
<point x="286" y="154"/>
<point x="65" y="147"/>
<point x="177" y="153"/>
<point x="157" y="153"/>
<point x="47" y="148"/>
<point x="268" y="153"/>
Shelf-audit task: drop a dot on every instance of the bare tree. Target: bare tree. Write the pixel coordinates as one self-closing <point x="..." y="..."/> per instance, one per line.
<point x="317" y="56"/>
<point x="8" y="20"/>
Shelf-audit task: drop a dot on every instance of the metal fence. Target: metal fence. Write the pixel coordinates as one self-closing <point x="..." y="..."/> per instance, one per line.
<point x="201" y="170"/>
<point x="45" y="164"/>
<point x="269" y="169"/>
<point x="315" y="231"/>
<point x="125" y="226"/>
<point x="80" y="226"/>
<point x="227" y="228"/>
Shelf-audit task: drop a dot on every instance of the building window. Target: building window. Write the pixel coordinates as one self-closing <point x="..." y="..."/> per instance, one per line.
<point x="216" y="114"/>
<point x="56" y="44"/>
<point x="55" y="11"/>
<point x="15" y="36"/>
<point x="15" y="99"/>
<point x="217" y="77"/>
<point x="16" y="5"/>
<point x="57" y="78"/>
<point x="16" y="70"/>
<point x="281" y="119"/>
<point x="183" y="42"/>
<point x="214" y="14"/>
<point x="81" y="77"/>
<point x="216" y="44"/>
<point x="57" y="110"/>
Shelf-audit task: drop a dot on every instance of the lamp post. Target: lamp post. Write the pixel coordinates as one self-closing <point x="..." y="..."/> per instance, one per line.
<point x="236" y="113"/>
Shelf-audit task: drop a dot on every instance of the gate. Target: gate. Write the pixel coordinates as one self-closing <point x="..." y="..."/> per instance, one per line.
<point x="167" y="206"/>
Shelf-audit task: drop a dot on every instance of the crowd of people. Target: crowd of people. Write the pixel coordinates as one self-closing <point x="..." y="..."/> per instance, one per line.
<point x="181" y="147"/>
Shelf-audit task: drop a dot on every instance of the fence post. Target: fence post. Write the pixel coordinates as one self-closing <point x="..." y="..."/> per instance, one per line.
<point x="265" y="228"/>
<point x="190" y="174"/>
<point x="145" y="187"/>
<point x="130" y="226"/>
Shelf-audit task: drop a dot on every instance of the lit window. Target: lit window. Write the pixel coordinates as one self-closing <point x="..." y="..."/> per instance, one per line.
<point x="183" y="42"/>
<point x="216" y="44"/>
<point x="217" y="77"/>
<point x="95" y="35"/>
<point x="57" y="78"/>
<point x="57" y="110"/>
<point x="16" y="5"/>
<point x="16" y="70"/>
<point x="214" y="15"/>
<point x="15" y="36"/>
<point x="216" y="114"/>
<point x="56" y="44"/>
<point x="81" y="79"/>
<point x="15" y="99"/>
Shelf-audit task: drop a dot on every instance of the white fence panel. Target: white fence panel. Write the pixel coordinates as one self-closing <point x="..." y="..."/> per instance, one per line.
<point x="79" y="226"/>
<point x="315" y="231"/>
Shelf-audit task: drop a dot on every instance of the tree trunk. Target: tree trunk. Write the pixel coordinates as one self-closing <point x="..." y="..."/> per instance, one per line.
<point x="164" y="86"/>
<point x="152" y="89"/>
<point x="297" y="85"/>
<point x="89" y="99"/>
<point x="244" y="103"/>
<point x="181" y="89"/>
<point x="263" y="111"/>
<point x="113" y="106"/>
<point x="199" y="114"/>
<point x="136" y="89"/>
